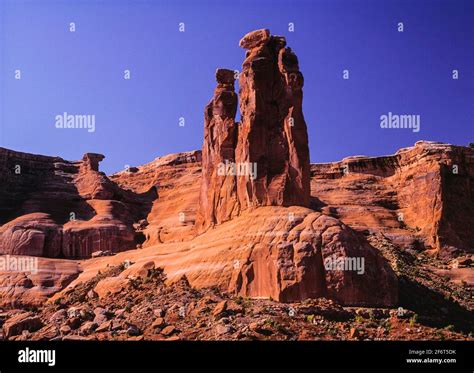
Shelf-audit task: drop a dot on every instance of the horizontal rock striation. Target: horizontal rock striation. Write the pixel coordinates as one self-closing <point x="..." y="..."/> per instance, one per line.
<point x="175" y="179"/>
<point x="422" y="196"/>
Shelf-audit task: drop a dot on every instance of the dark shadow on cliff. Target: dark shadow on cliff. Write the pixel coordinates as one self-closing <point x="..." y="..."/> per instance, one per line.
<point x="433" y="308"/>
<point x="46" y="187"/>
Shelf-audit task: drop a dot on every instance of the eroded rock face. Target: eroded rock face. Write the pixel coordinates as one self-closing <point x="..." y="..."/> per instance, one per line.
<point x="298" y="258"/>
<point x="33" y="287"/>
<point x="265" y="158"/>
<point x="272" y="251"/>
<point x="175" y="178"/>
<point x="282" y="260"/>
<point x="420" y="197"/>
<point x="90" y="161"/>
<point x="21" y="322"/>
<point x="55" y="208"/>
<point x="33" y="234"/>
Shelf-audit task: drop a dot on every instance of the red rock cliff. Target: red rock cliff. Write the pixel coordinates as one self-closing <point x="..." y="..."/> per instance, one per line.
<point x="422" y="196"/>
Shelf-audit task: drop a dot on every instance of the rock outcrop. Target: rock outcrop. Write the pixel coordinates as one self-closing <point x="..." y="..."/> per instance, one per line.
<point x="272" y="134"/>
<point x="272" y="251"/>
<point x="33" y="234"/>
<point x="264" y="159"/>
<point x="32" y="280"/>
<point x="421" y="197"/>
<point x="175" y="179"/>
<point x="55" y="208"/>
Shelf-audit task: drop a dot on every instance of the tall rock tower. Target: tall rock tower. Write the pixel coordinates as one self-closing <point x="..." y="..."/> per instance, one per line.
<point x="264" y="159"/>
<point x="273" y="132"/>
<point x="218" y="196"/>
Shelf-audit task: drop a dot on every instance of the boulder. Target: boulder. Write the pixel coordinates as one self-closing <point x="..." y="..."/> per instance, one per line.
<point x="21" y="322"/>
<point x="254" y="39"/>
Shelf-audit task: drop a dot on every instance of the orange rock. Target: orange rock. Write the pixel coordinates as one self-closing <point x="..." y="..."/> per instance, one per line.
<point x="254" y="39"/>
<point x="176" y="178"/>
<point x="220" y="308"/>
<point x="280" y="253"/>
<point x="169" y="330"/>
<point x="70" y="210"/>
<point x="158" y="323"/>
<point x="18" y="323"/>
<point x="28" y="289"/>
<point x="112" y="285"/>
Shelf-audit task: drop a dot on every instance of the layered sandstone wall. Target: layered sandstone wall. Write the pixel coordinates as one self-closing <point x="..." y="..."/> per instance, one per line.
<point x="175" y="178"/>
<point x="423" y="194"/>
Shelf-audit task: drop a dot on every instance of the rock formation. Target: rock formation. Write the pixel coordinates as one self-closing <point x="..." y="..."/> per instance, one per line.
<point x="175" y="178"/>
<point x="421" y="197"/>
<point x="218" y="196"/>
<point x="272" y="133"/>
<point x="264" y="160"/>
<point x="404" y="196"/>
<point x="55" y="208"/>
<point x="33" y="288"/>
<point x="273" y="252"/>
<point x="280" y="229"/>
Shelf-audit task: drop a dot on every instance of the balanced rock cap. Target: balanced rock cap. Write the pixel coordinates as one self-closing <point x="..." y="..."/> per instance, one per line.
<point x="255" y="38"/>
<point x="225" y="76"/>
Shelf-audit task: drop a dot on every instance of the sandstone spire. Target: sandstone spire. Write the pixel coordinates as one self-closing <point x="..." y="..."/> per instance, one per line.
<point x="218" y="195"/>
<point x="264" y="160"/>
<point x="273" y="132"/>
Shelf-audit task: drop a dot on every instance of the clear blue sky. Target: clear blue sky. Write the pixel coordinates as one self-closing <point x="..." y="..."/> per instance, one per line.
<point x="173" y="73"/>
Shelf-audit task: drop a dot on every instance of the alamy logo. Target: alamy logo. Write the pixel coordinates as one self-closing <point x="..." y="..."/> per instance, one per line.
<point x="66" y="120"/>
<point x="410" y="121"/>
<point x="237" y="169"/>
<point x="344" y="263"/>
<point x="10" y="263"/>
<point x="37" y="356"/>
